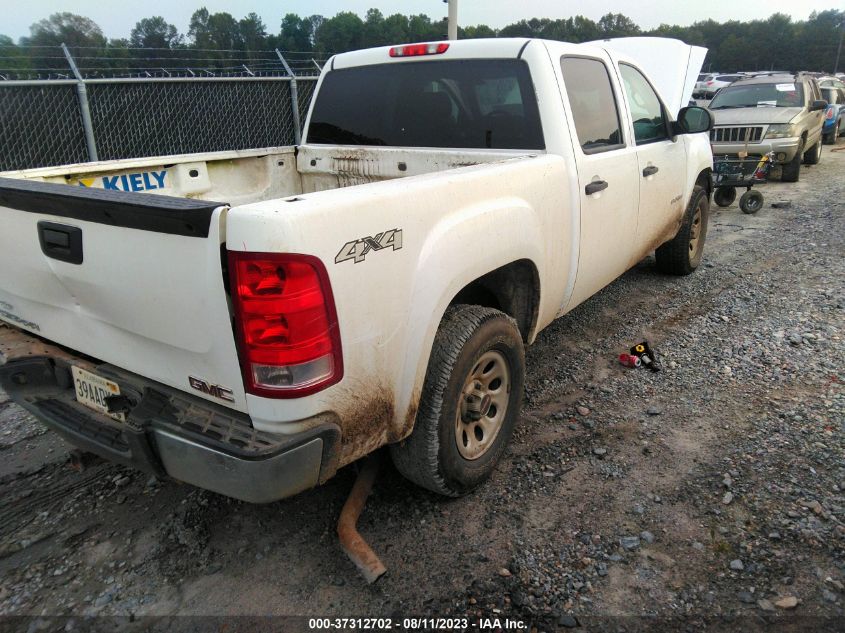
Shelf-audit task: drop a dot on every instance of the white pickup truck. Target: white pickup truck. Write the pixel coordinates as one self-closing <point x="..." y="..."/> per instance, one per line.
<point x="280" y="313"/>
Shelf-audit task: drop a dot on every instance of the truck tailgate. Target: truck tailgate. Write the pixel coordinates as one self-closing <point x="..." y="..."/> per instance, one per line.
<point x="130" y="279"/>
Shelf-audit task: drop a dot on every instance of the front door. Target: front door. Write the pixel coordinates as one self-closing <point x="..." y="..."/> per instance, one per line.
<point x="661" y="164"/>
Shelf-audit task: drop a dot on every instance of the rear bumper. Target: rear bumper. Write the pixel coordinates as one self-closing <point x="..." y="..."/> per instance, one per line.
<point x="172" y="433"/>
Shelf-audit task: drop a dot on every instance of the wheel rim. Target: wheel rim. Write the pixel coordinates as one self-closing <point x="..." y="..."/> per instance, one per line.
<point x="695" y="232"/>
<point x="483" y="405"/>
<point x="754" y="203"/>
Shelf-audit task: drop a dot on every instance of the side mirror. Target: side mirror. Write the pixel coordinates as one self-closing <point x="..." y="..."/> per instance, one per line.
<point x="818" y="104"/>
<point x="693" y="120"/>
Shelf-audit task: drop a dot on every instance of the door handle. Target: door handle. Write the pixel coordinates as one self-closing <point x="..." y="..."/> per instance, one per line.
<point x="60" y="241"/>
<point x="595" y="187"/>
<point x="650" y="171"/>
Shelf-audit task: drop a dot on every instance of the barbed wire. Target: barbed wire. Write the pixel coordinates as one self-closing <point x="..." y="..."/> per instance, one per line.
<point x="139" y="62"/>
<point x="149" y="48"/>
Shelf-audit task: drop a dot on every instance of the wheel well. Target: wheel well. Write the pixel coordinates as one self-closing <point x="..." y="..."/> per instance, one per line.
<point x="705" y="180"/>
<point x="514" y="289"/>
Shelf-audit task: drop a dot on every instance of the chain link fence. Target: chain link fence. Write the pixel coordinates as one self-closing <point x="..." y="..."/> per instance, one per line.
<point x="47" y="122"/>
<point x="41" y="125"/>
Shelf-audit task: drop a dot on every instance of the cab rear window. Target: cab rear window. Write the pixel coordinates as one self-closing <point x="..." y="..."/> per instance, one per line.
<point x="474" y="104"/>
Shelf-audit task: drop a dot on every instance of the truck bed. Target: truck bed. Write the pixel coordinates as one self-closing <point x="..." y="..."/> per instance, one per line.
<point x="245" y="176"/>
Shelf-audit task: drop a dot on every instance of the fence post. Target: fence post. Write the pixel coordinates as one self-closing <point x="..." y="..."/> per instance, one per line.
<point x="294" y="97"/>
<point x="82" y="93"/>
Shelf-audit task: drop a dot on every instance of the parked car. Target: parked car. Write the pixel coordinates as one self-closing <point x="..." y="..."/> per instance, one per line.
<point x="701" y="85"/>
<point x="834" y="115"/>
<point x="333" y="305"/>
<point x="716" y="83"/>
<point x="774" y="113"/>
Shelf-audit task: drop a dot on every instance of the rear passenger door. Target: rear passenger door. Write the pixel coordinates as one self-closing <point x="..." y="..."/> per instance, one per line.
<point x="607" y="174"/>
<point x="661" y="163"/>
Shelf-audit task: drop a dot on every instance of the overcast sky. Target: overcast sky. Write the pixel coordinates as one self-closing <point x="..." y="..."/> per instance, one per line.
<point x="117" y="17"/>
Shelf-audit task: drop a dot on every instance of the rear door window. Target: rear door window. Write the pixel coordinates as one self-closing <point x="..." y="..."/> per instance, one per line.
<point x="473" y="104"/>
<point x="593" y="104"/>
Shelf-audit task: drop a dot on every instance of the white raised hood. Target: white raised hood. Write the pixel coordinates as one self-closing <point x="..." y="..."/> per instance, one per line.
<point x="672" y="65"/>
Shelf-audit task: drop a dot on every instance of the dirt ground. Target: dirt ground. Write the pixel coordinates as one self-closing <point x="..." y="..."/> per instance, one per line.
<point x="709" y="494"/>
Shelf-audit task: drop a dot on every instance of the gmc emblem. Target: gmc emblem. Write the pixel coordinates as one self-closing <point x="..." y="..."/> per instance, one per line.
<point x="215" y="391"/>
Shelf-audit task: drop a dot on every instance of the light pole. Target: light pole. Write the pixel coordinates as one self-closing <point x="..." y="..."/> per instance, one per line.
<point x="453" y="19"/>
<point x="839" y="50"/>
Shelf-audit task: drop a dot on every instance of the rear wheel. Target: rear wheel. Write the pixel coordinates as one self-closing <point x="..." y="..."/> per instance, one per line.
<point x="751" y="201"/>
<point x="470" y="402"/>
<point x="682" y="255"/>
<point x="724" y="196"/>
<point x="813" y="155"/>
<point x="792" y="170"/>
<point x="830" y="137"/>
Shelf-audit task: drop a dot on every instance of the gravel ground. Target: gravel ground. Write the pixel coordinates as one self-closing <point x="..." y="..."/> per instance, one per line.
<point x="712" y="492"/>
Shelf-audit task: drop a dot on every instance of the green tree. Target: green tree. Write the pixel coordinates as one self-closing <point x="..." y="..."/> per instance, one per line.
<point x="421" y="29"/>
<point x="78" y="32"/>
<point x="154" y="32"/>
<point x="17" y="59"/>
<point x="374" y="33"/>
<point x="617" y="25"/>
<point x="818" y="38"/>
<point x="68" y="28"/>
<point x="476" y="32"/>
<point x="584" y="29"/>
<point x="198" y="30"/>
<point x="343" y="32"/>
<point x="252" y="34"/>
<point x="217" y="31"/>
<point x="296" y="33"/>
<point x="396" y="29"/>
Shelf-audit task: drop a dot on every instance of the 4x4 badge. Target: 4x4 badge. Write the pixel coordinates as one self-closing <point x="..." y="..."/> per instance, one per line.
<point x="357" y="249"/>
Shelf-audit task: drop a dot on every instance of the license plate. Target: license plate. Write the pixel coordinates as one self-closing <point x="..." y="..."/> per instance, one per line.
<point x="92" y="391"/>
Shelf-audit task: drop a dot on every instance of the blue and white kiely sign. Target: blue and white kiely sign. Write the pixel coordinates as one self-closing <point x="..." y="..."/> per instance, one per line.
<point x="138" y="181"/>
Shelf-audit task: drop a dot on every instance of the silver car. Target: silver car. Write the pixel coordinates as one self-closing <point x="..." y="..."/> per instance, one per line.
<point x="775" y="113"/>
<point x="714" y="83"/>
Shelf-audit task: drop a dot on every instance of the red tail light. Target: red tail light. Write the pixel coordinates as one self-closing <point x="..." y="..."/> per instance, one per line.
<point x="829" y="113"/>
<point x="415" y="50"/>
<point x="286" y="324"/>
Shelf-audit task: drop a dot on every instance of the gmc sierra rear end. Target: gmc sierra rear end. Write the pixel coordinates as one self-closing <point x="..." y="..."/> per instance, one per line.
<point x="299" y="308"/>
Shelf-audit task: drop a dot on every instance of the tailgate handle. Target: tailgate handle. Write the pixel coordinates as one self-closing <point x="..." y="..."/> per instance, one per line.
<point x="60" y="241"/>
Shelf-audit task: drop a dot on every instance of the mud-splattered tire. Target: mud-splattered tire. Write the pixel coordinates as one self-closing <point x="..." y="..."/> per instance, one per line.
<point x="682" y="254"/>
<point x="813" y="155"/>
<point x="476" y="370"/>
<point x="791" y="171"/>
